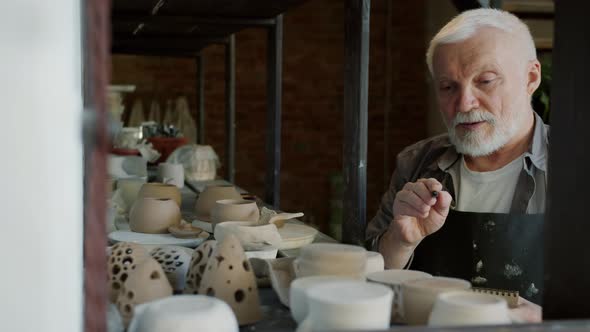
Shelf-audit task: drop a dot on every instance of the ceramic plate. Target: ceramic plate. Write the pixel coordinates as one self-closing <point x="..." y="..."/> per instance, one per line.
<point x="156" y="239"/>
<point x="296" y="236"/>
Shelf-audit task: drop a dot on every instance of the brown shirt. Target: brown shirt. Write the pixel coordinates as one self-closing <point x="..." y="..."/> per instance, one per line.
<point x="434" y="157"/>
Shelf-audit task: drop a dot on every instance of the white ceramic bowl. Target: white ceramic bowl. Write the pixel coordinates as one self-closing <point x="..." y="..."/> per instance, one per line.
<point x="394" y="279"/>
<point x="469" y="308"/>
<point x="348" y="305"/>
<point x="251" y="236"/>
<point x="419" y="296"/>
<point x="298" y="295"/>
<point x="182" y="313"/>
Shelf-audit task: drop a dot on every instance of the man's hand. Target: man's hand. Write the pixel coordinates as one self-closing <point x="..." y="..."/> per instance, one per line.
<point x="417" y="214"/>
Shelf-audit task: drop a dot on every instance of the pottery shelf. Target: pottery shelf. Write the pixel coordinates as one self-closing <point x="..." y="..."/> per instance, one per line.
<point x="183" y="28"/>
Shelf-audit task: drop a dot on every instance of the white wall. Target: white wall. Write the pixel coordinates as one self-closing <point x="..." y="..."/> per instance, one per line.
<point x="41" y="166"/>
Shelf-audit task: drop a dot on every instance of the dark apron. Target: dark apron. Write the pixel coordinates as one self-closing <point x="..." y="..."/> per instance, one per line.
<point x="492" y="250"/>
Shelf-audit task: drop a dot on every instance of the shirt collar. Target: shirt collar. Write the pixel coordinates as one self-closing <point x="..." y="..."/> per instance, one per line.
<point x="537" y="152"/>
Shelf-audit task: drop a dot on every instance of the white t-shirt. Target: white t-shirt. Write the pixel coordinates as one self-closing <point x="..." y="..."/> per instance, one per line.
<point x="490" y="192"/>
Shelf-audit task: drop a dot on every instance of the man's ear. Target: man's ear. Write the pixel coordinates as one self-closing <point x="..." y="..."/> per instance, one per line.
<point x="533" y="76"/>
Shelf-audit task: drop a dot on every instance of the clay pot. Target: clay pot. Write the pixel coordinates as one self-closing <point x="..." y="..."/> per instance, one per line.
<point x="331" y="259"/>
<point x="230" y="277"/>
<point x="154" y="216"/>
<point x="147" y="282"/>
<point x="209" y="196"/>
<point x="123" y="258"/>
<point x="419" y="296"/>
<point x="462" y="308"/>
<point x="347" y="305"/>
<point x="197" y="267"/>
<point x="394" y="279"/>
<point x="251" y="235"/>
<point x="129" y="190"/>
<point x="184" y="313"/>
<point x="170" y="173"/>
<point x="234" y="210"/>
<point x="160" y="190"/>
<point x="175" y="263"/>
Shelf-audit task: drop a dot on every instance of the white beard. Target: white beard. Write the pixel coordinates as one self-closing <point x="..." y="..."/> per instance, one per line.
<point x="480" y="142"/>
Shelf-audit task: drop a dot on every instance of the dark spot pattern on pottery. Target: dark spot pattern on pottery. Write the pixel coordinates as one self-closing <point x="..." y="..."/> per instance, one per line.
<point x="198" y="258"/>
<point x="231" y="267"/>
<point x="198" y="281"/>
<point x="228" y="282"/>
<point x="155" y="275"/>
<point x="173" y="251"/>
<point x="246" y="265"/>
<point x="219" y="259"/>
<point x="202" y="269"/>
<point x="116" y="269"/>
<point x="130" y="295"/>
<point x="176" y="257"/>
<point x="127" y="308"/>
<point x="169" y="262"/>
<point x="129" y="251"/>
<point x="239" y="295"/>
<point x="167" y="256"/>
<point x="119" y="253"/>
<point x="178" y="264"/>
<point x="249" y="289"/>
<point x="127" y="260"/>
<point x="123" y="277"/>
<point x="210" y="291"/>
<point x="116" y="285"/>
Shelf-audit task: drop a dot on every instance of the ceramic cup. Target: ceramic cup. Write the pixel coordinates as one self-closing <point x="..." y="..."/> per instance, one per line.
<point x="419" y="296"/>
<point x="206" y="201"/>
<point x="394" y="279"/>
<point x="347" y="305"/>
<point x="170" y="173"/>
<point x="182" y="313"/>
<point x="298" y="297"/>
<point x="251" y="235"/>
<point x="331" y="259"/>
<point x="234" y="210"/>
<point x="469" y="308"/>
<point x="130" y="189"/>
<point x="160" y="190"/>
<point x="154" y="215"/>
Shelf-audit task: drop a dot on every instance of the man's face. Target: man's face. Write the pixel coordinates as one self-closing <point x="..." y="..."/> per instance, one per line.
<point x="483" y="89"/>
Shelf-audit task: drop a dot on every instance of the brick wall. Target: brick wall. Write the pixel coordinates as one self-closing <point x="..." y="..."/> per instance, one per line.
<point x="312" y="99"/>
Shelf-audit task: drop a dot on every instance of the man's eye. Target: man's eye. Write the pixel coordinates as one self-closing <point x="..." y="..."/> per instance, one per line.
<point x="446" y="88"/>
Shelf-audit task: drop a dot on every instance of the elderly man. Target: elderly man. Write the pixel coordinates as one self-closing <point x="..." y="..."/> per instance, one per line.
<point x="469" y="203"/>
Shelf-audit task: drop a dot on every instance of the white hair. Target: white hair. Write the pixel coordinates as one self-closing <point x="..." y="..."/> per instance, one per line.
<point x="466" y="24"/>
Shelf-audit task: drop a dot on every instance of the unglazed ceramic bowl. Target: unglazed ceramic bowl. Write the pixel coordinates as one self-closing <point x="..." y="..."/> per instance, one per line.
<point x="234" y="210"/>
<point x="394" y="279"/>
<point x="251" y="235"/>
<point x="348" y="305"/>
<point x="469" y="308"/>
<point x="160" y="190"/>
<point x="209" y="196"/>
<point x="182" y="313"/>
<point x="419" y="296"/>
<point x="298" y="296"/>
<point x="154" y="215"/>
<point x="331" y="259"/>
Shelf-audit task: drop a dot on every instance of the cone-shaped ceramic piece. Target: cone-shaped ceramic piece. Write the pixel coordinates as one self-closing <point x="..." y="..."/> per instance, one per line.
<point x="160" y="190"/>
<point x="175" y="263"/>
<point x="198" y="264"/>
<point x="146" y="282"/>
<point x="154" y="215"/>
<point x="209" y="196"/>
<point x="230" y="277"/>
<point x="123" y="258"/>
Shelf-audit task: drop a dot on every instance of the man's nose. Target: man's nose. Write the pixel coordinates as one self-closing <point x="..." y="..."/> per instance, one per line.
<point x="467" y="100"/>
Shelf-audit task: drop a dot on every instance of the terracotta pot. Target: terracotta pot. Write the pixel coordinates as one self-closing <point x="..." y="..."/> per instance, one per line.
<point x="160" y="190"/>
<point x="211" y="194"/>
<point x="154" y="215"/>
<point x="234" y="210"/>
